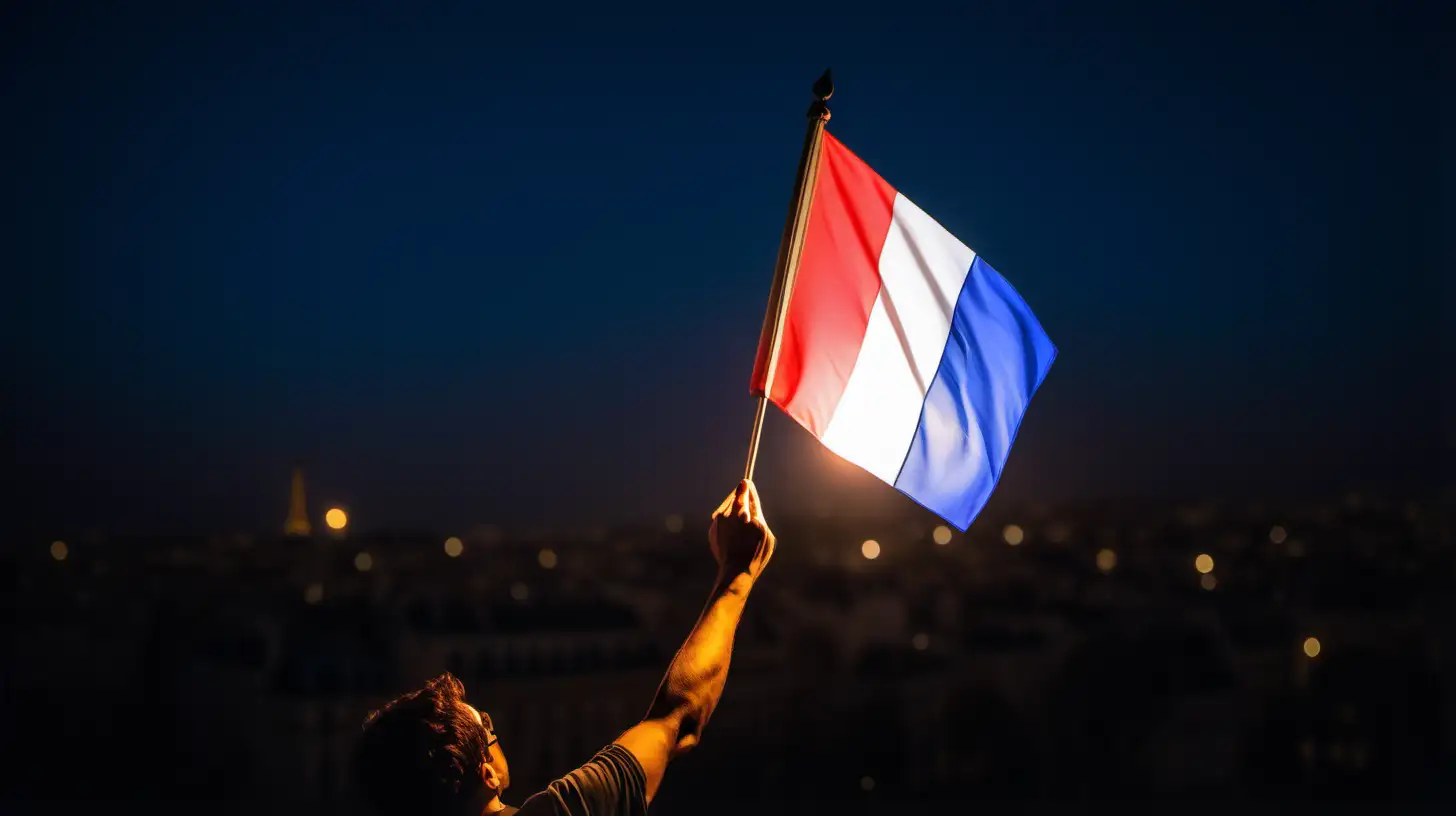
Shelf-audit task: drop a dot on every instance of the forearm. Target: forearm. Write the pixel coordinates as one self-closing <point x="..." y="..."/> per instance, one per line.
<point x="694" y="681"/>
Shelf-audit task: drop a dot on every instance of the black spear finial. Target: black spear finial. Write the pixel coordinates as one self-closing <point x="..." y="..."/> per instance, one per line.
<point x="823" y="89"/>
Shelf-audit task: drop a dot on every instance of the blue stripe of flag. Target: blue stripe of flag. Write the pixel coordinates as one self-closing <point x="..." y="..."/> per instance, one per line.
<point x="995" y="358"/>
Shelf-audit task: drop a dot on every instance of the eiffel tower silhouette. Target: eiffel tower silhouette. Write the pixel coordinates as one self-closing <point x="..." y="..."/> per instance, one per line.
<point x="297" y="524"/>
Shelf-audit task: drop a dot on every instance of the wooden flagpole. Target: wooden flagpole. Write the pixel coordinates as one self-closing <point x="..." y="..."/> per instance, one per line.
<point x="786" y="269"/>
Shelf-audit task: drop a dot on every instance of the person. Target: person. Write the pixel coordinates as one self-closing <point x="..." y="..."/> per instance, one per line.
<point x="430" y="753"/>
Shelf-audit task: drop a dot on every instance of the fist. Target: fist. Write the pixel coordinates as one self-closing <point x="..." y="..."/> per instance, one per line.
<point x="739" y="536"/>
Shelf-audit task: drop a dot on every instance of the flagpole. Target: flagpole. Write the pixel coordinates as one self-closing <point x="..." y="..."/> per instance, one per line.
<point x="791" y="245"/>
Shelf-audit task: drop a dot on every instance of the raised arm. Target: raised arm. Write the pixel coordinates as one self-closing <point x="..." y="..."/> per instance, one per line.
<point x="742" y="544"/>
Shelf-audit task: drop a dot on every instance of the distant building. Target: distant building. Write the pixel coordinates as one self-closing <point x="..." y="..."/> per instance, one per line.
<point x="297" y="524"/>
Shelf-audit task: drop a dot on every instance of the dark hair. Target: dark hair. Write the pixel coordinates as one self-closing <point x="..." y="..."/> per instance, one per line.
<point x="421" y="754"/>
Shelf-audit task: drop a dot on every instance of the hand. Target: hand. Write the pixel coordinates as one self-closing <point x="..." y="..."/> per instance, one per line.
<point x="740" y="538"/>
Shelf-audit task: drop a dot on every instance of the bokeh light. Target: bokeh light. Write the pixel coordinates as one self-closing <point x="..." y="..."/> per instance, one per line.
<point x="921" y="642"/>
<point x="674" y="523"/>
<point x="1278" y="534"/>
<point x="520" y="591"/>
<point x="454" y="546"/>
<point x="59" y="550"/>
<point x="1311" y="647"/>
<point x="363" y="562"/>
<point x="870" y="549"/>
<point x="866" y="784"/>
<point x="336" y="519"/>
<point x="1013" y="534"/>
<point x="1203" y="563"/>
<point x="547" y="558"/>
<point x="314" y="594"/>
<point x="1106" y="560"/>
<point x="1208" y="581"/>
<point x="941" y="535"/>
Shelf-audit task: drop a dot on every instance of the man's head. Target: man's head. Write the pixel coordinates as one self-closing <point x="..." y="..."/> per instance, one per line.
<point x="430" y="753"/>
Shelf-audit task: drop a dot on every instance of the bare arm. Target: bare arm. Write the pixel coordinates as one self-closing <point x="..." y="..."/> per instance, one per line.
<point x="742" y="544"/>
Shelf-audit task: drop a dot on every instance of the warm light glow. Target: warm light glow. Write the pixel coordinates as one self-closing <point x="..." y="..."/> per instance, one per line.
<point x="520" y="591"/>
<point x="1106" y="560"/>
<point x="314" y="594"/>
<point x="921" y="642"/>
<point x="1203" y="563"/>
<point x="336" y="519"/>
<point x="674" y="523"/>
<point x="866" y="784"/>
<point x="454" y="546"/>
<point x="1013" y="534"/>
<point x="59" y="550"/>
<point x="1208" y="581"/>
<point x="941" y="535"/>
<point x="1311" y="647"/>
<point x="870" y="549"/>
<point x="547" y="558"/>
<point x="363" y="562"/>
<point x="1278" y="534"/>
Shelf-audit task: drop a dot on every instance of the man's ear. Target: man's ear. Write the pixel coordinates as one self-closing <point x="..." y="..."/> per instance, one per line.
<point x="492" y="781"/>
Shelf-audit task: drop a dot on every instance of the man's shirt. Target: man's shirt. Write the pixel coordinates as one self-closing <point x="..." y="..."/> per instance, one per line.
<point x="611" y="784"/>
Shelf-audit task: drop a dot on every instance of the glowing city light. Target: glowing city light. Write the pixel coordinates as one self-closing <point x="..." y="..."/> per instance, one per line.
<point x="921" y="642"/>
<point x="363" y="562"/>
<point x="59" y="550"/>
<point x="1106" y="560"/>
<point x="454" y="546"/>
<point x="1311" y="647"/>
<point x="941" y="535"/>
<point x="870" y="549"/>
<point x="520" y="591"/>
<point x="866" y="784"/>
<point x="336" y="519"/>
<point x="1278" y="534"/>
<point x="674" y="523"/>
<point x="314" y="594"/>
<point x="1208" y="582"/>
<point x="1203" y="563"/>
<point x="547" y="558"/>
<point x="1013" y="534"/>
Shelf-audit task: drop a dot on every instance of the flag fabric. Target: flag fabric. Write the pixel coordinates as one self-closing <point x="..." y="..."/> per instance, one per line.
<point x="903" y="351"/>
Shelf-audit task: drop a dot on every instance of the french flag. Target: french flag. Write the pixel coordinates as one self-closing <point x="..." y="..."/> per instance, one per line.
<point x="902" y="350"/>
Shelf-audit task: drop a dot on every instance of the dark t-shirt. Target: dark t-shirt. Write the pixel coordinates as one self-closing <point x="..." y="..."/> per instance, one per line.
<point x="611" y="784"/>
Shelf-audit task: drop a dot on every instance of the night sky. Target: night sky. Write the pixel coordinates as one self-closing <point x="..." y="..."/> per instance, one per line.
<point x="476" y="268"/>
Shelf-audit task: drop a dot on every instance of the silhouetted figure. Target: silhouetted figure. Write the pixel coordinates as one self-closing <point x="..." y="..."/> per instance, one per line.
<point x="430" y="753"/>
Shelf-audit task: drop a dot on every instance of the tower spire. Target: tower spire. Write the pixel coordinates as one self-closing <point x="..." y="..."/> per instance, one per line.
<point x="297" y="524"/>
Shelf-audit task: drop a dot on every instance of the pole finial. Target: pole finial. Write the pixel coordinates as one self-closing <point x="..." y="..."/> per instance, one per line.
<point x="824" y="86"/>
<point x="823" y="89"/>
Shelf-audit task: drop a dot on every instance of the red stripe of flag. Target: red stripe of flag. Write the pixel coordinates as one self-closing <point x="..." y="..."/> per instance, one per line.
<point x="836" y="288"/>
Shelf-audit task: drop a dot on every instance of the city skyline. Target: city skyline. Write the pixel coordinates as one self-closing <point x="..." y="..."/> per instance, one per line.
<point x="1016" y="662"/>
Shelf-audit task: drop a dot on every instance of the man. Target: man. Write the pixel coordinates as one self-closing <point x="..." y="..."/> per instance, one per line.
<point x="430" y="753"/>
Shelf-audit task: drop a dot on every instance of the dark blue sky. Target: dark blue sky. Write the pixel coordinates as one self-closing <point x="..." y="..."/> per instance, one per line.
<point x="478" y="268"/>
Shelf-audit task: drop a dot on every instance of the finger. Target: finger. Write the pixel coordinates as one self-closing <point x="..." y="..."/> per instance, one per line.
<point x="739" y="494"/>
<point x="755" y="510"/>
<point x="724" y="507"/>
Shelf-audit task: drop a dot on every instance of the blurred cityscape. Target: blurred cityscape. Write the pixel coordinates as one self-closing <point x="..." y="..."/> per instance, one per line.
<point x="1210" y="653"/>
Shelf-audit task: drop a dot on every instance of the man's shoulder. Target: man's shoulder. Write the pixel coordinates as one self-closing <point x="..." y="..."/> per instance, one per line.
<point x="612" y="783"/>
